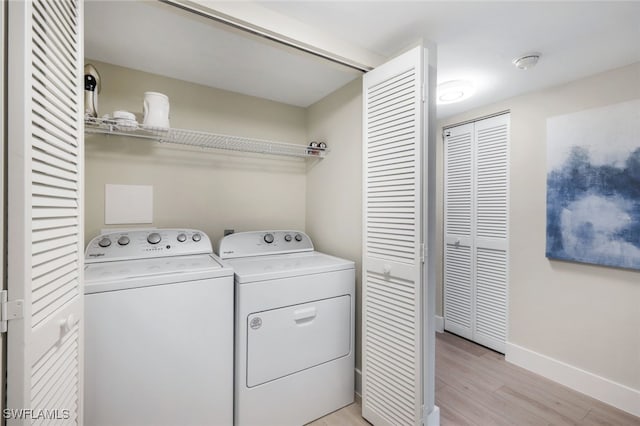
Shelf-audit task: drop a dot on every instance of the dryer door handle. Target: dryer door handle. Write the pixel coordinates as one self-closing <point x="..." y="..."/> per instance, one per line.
<point x="305" y="314"/>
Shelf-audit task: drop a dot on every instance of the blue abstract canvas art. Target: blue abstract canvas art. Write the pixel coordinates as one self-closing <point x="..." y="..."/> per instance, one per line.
<point x="593" y="186"/>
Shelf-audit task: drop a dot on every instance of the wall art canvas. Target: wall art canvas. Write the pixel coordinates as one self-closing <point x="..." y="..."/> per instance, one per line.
<point x="593" y="186"/>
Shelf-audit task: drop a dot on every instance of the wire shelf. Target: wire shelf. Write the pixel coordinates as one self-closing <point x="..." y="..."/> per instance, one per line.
<point x="200" y="139"/>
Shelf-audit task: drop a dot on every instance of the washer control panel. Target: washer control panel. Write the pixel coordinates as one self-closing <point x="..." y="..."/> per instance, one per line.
<point x="147" y="243"/>
<point x="260" y="243"/>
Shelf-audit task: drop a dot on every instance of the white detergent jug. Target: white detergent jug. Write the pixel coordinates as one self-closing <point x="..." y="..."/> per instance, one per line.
<point x="155" y="109"/>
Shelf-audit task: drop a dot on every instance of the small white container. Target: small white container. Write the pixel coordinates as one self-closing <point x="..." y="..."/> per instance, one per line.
<point x="155" y="109"/>
<point x="125" y="120"/>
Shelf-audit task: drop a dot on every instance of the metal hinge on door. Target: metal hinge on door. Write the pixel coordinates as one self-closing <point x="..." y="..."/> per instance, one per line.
<point x="422" y="253"/>
<point x="9" y="310"/>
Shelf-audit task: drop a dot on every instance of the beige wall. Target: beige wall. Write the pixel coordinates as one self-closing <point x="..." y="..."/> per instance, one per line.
<point x="586" y="316"/>
<point x="193" y="187"/>
<point x="334" y="185"/>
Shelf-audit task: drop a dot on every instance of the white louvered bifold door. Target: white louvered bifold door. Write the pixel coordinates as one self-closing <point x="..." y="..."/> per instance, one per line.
<point x="392" y="265"/>
<point x="476" y="230"/>
<point x="45" y="180"/>
<point x="458" y="230"/>
<point x="491" y="230"/>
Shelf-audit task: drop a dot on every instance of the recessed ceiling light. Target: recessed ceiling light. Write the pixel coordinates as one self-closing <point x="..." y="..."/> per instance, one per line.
<point x="454" y="91"/>
<point x="526" y="61"/>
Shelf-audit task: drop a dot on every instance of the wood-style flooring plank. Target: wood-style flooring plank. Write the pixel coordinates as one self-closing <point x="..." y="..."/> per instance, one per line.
<point x="475" y="386"/>
<point x="349" y="415"/>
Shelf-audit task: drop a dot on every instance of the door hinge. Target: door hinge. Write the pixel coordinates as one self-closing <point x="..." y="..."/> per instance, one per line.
<point x="422" y="252"/>
<point x="423" y="93"/>
<point x="9" y="310"/>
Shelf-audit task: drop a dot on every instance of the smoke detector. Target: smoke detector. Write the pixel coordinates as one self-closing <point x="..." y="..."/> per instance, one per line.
<point x="526" y="61"/>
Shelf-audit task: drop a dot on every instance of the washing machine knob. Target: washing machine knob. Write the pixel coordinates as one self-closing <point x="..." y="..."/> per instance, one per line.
<point x="298" y="237"/>
<point x="154" y="238"/>
<point x="105" y="242"/>
<point x="196" y="237"/>
<point x="124" y="240"/>
<point x="287" y="238"/>
<point x="182" y="238"/>
<point x="268" y="238"/>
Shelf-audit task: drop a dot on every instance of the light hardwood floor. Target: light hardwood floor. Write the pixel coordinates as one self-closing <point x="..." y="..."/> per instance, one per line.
<point x="476" y="386"/>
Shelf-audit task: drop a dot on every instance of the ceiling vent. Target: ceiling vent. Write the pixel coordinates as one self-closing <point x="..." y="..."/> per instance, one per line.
<point x="527" y="61"/>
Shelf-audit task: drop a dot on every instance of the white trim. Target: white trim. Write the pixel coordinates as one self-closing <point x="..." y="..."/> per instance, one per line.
<point x="3" y="283"/>
<point x="433" y="418"/>
<point x="358" y="382"/>
<point x="603" y="389"/>
<point x="439" y="324"/>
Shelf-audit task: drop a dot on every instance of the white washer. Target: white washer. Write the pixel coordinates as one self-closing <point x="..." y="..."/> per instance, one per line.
<point x="294" y="328"/>
<point x="158" y="330"/>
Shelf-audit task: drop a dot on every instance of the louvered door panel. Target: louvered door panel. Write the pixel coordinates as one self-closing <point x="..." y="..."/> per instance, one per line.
<point x="458" y="290"/>
<point x="491" y="231"/>
<point x="458" y="228"/>
<point x="392" y="291"/>
<point x="45" y="192"/>
<point x="491" y="178"/>
<point x="491" y="298"/>
<point x="458" y="182"/>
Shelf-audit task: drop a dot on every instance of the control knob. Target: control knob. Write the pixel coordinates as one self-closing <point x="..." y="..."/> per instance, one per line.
<point x="123" y="240"/>
<point x="154" y="238"/>
<point x="287" y="237"/>
<point x="268" y="238"/>
<point x="196" y="237"/>
<point x="298" y="237"/>
<point x="182" y="238"/>
<point x="105" y="242"/>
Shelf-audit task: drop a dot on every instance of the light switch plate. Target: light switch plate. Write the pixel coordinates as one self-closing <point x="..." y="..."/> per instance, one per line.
<point x="128" y="204"/>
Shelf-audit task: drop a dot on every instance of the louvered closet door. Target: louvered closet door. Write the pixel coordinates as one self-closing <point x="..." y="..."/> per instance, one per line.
<point x="491" y="231"/>
<point x="45" y="244"/>
<point x="392" y="267"/>
<point x="476" y="230"/>
<point x="458" y="230"/>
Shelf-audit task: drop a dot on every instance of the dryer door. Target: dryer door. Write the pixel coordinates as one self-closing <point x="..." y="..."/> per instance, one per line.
<point x="286" y="340"/>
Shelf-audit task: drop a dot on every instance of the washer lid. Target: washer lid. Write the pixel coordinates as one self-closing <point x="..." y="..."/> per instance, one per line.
<point x="123" y="275"/>
<point x="261" y="268"/>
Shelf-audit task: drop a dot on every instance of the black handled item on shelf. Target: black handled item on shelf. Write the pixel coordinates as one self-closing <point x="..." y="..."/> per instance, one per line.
<point x="92" y="87"/>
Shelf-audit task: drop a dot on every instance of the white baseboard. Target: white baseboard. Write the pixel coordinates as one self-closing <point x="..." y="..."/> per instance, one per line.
<point x="439" y="324"/>
<point x="358" y="382"/>
<point x="605" y="390"/>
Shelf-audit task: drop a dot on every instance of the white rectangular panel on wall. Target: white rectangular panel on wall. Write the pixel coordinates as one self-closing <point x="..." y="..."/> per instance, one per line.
<point x="45" y="184"/>
<point x="476" y="230"/>
<point x="392" y="265"/>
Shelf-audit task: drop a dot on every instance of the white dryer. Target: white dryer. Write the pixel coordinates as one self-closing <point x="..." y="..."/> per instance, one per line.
<point x="158" y="330"/>
<point x="294" y="328"/>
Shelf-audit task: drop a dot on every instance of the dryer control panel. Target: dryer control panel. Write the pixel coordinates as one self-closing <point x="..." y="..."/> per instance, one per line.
<point x="147" y="243"/>
<point x="262" y="243"/>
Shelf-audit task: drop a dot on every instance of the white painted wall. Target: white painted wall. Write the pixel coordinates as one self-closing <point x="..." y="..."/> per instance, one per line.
<point x="334" y="185"/>
<point x="204" y="189"/>
<point x="585" y="316"/>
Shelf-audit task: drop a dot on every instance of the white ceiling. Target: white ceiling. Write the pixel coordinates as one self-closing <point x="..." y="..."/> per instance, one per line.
<point x="476" y="41"/>
<point x="161" y="39"/>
